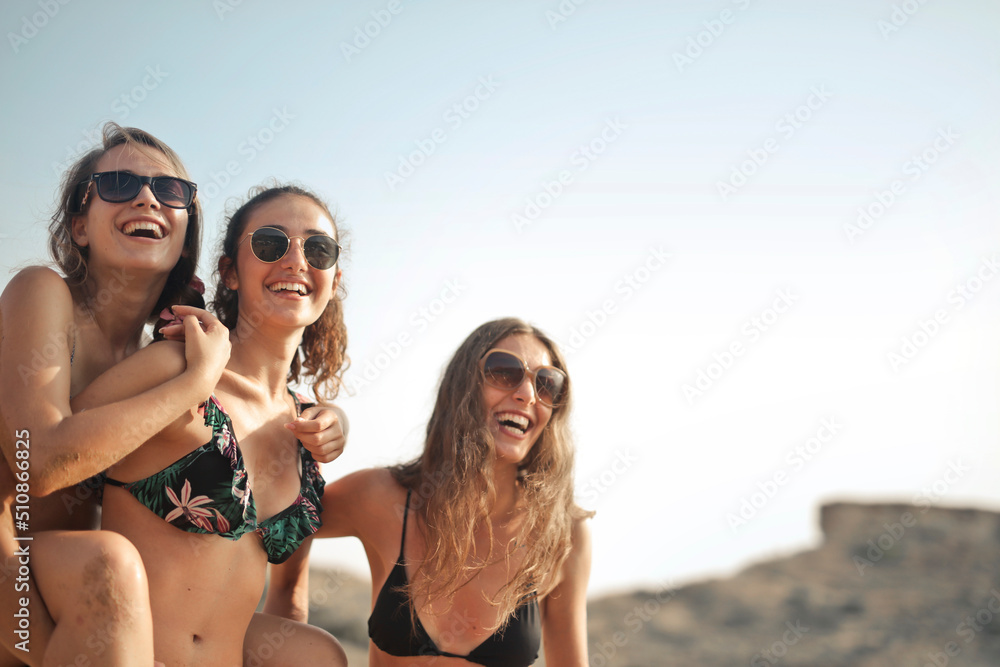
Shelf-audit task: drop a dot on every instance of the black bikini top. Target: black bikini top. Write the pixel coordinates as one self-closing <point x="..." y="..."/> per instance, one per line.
<point x="391" y="629"/>
<point x="206" y="491"/>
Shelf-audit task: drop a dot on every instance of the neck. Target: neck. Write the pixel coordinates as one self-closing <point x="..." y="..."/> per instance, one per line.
<point x="506" y="485"/>
<point x="264" y="355"/>
<point x="119" y="301"/>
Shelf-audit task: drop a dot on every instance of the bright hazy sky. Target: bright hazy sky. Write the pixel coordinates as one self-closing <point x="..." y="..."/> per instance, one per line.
<point x="765" y="231"/>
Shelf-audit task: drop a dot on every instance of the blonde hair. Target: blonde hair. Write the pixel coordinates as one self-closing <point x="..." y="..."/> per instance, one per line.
<point x="453" y="479"/>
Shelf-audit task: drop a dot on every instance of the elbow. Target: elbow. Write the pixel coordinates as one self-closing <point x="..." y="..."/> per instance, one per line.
<point x="50" y="475"/>
<point x="41" y="485"/>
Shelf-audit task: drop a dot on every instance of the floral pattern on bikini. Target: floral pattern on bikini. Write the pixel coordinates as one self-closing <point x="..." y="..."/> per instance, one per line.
<point x="207" y="491"/>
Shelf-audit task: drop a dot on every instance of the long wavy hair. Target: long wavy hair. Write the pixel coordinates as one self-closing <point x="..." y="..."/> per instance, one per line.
<point x="453" y="491"/>
<point x="72" y="258"/>
<point x="322" y="354"/>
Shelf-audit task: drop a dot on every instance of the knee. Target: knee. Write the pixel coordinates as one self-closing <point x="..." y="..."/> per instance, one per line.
<point x="326" y="650"/>
<point x="112" y="573"/>
<point x="293" y="644"/>
<point x="114" y="555"/>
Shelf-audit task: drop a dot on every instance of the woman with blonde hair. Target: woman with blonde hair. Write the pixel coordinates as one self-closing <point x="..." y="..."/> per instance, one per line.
<point x="477" y="549"/>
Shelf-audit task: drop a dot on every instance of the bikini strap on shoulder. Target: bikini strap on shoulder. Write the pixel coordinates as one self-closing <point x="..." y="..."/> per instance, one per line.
<point x="406" y="512"/>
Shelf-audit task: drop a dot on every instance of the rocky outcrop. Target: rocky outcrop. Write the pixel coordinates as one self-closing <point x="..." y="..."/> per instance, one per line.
<point x="891" y="585"/>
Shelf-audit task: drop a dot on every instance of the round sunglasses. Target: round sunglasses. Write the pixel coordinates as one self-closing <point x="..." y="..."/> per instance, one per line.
<point x="505" y="370"/>
<point x="122" y="186"/>
<point x="269" y="244"/>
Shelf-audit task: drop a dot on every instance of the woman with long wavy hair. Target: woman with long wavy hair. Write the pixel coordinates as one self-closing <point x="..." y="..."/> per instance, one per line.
<point x="477" y="549"/>
<point x="226" y="490"/>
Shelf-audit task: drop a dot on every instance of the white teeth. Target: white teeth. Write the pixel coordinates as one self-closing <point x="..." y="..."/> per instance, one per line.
<point x="132" y="227"/>
<point x="520" y="421"/>
<point x="294" y="287"/>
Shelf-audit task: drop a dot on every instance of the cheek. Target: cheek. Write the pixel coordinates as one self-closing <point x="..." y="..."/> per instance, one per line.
<point x="179" y="222"/>
<point x="544" y="419"/>
<point x="491" y="397"/>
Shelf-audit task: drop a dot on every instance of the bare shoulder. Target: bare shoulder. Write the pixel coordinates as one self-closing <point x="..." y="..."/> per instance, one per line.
<point x="580" y="534"/>
<point x="36" y="288"/>
<point x="363" y="504"/>
<point x="372" y="487"/>
<point x="576" y="568"/>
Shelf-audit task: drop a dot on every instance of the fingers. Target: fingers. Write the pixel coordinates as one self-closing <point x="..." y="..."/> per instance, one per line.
<point x="314" y="420"/>
<point x="324" y="453"/>
<point x="208" y="321"/>
<point x="173" y="332"/>
<point x="319" y="430"/>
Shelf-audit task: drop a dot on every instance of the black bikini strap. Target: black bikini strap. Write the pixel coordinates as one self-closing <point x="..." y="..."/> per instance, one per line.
<point x="406" y="513"/>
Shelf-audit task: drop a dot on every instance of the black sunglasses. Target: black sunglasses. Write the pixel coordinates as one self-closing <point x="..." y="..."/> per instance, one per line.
<point x="269" y="244"/>
<point x="121" y="186"/>
<point x="505" y="370"/>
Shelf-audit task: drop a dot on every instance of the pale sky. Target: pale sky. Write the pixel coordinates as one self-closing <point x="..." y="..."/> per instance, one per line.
<point x="765" y="231"/>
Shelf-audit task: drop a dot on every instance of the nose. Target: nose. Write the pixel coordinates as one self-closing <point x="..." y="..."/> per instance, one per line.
<point x="146" y="197"/>
<point x="525" y="392"/>
<point x="295" y="258"/>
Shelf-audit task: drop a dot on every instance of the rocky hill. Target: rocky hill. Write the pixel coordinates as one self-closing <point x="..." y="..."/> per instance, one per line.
<point x="891" y="585"/>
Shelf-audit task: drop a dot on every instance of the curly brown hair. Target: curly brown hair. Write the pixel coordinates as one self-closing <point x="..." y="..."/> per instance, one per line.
<point x="72" y="258"/>
<point x="452" y="480"/>
<point x="323" y="348"/>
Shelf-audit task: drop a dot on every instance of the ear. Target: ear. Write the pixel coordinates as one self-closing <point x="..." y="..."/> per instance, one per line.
<point x="78" y="230"/>
<point x="227" y="271"/>
<point x="336" y="283"/>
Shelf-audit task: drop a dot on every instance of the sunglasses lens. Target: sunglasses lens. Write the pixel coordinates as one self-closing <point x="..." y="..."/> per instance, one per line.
<point x="268" y="245"/>
<point x="173" y="192"/>
<point x="321" y="251"/>
<point x="503" y="371"/>
<point x="117" y="186"/>
<point x="549" y="384"/>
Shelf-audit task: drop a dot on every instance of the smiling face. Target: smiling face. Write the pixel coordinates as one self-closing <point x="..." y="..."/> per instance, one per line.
<point x="289" y="291"/>
<point x="140" y="234"/>
<point x="516" y="417"/>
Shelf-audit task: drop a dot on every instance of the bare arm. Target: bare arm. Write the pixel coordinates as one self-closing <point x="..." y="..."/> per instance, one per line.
<point x="354" y="505"/>
<point x="288" y="587"/>
<point x="564" y="612"/>
<point x="36" y="313"/>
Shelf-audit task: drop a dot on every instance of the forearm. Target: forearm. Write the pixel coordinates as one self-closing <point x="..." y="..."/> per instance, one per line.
<point x="288" y="586"/>
<point x="89" y="442"/>
<point x="293" y="605"/>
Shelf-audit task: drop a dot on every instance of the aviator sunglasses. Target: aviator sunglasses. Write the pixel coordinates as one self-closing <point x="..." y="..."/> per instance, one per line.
<point x="121" y="186"/>
<point x="505" y="370"/>
<point x="269" y="244"/>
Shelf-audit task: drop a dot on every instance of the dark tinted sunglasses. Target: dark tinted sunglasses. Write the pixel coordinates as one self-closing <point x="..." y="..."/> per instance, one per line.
<point x="269" y="244"/>
<point x="505" y="370"/>
<point x="121" y="186"/>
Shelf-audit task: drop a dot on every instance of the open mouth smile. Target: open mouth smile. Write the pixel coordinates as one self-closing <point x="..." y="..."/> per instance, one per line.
<point x="286" y="287"/>
<point x="143" y="229"/>
<point x="513" y="424"/>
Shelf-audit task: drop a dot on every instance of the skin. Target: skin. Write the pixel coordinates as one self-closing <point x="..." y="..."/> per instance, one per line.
<point x="204" y="588"/>
<point x="369" y="505"/>
<point x="88" y="585"/>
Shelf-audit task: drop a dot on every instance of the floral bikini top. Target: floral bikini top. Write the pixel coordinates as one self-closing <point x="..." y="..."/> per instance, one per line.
<point x="206" y="491"/>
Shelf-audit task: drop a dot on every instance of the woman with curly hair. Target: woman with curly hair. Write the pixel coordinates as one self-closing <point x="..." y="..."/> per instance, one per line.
<point x="219" y="494"/>
<point x="477" y="549"/>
